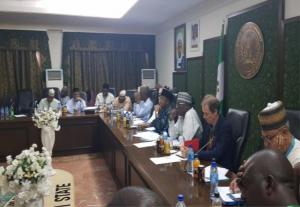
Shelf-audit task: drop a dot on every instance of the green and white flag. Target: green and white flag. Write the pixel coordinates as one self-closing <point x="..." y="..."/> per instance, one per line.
<point x="220" y="76"/>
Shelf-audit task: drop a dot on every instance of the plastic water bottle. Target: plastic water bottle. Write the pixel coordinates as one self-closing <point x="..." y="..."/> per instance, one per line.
<point x="214" y="178"/>
<point x="180" y="201"/>
<point x="190" y="162"/>
<point x="216" y="201"/>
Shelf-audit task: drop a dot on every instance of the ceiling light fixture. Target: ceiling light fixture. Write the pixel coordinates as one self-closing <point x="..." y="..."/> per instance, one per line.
<point x="92" y="8"/>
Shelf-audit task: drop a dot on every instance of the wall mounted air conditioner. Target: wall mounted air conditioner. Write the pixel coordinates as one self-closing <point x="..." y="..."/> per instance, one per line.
<point x="54" y="78"/>
<point x="149" y="77"/>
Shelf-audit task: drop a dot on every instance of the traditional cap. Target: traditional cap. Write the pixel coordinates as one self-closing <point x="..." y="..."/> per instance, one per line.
<point x="122" y="93"/>
<point x="166" y="93"/>
<point x="51" y="92"/>
<point x="184" y="97"/>
<point x="273" y="116"/>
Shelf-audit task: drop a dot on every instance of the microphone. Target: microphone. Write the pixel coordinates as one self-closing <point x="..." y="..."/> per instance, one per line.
<point x="211" y="140"/>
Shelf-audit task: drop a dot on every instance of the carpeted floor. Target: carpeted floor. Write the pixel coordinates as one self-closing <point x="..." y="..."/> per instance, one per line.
<point x="94" y="185"/>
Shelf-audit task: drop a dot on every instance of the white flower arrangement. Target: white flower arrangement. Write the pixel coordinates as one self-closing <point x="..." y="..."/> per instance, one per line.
<point x="47" y="119"/>
<point x="27" y="175"/>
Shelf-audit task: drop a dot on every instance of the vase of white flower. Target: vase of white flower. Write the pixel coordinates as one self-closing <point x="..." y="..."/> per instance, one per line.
<point x="27" y="177"/>
<point x="48" y="138"/>
<point x="47" y="121"/>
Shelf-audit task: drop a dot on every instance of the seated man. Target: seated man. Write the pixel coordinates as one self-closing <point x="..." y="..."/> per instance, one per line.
<point x="266" y="179"/>
<point x="123" y="101"/>
<point x="143" y="107"/>
<point x="161" y="113"/>
<point x="188" y="123"/>
<point x="217" y="135"/>
<point x="136" y="197"/>
<point x="104" y="98"/>
<point x="276" y="136"/>
<point x="49" y="102"/>
<point x="76" y="104"/>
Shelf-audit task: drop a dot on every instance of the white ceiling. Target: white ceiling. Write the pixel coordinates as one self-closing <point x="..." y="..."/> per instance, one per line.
<point x="146" y="13"/>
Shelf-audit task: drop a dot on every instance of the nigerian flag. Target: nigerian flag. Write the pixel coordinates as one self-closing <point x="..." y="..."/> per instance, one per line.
<point x="220" y="76"/>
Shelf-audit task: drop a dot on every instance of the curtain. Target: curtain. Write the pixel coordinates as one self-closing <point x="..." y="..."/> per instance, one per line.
<point x="89" y="60"/>
<point x="19" y="70"/>
<point x="23" y="57"/>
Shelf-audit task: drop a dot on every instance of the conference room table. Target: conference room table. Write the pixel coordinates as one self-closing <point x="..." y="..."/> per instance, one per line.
<point x="129" y="165"/>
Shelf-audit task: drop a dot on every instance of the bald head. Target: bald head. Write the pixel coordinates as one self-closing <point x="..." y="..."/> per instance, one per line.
<point x="135" y="196"/>
<point x="267" y="179"/>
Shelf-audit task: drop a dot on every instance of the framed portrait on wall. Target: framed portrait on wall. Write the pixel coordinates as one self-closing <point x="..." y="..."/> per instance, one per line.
<point x="179" y="48"/>
<point x="194" y="35"/>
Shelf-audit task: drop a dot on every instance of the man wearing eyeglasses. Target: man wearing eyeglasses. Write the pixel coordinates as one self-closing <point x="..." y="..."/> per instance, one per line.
<point x="277" y="136"/>
<point x="266" y="179"/>
<point x="217" y="135"/>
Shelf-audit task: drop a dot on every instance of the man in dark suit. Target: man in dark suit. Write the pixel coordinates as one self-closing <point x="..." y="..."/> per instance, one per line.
<point x="217" y="135"/>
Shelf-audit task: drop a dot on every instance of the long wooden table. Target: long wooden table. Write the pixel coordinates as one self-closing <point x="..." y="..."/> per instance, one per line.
<point x="129" y="165"/>
<point x="78" y="134"/>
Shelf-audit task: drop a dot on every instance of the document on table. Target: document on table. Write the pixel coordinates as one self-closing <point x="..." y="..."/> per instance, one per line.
<point x="137" y="121"/>
<point x="221" y="173"/>
<point x="227" y="197"/>
<point x="20" y="115"/>
<point x="165" y="159"/>
<point x="145" y="144"/>
<point x="147" y="136"/>
<point x="150" y="129"/>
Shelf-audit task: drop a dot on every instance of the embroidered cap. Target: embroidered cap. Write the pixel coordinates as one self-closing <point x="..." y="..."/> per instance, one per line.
<point x="122" y="93"/>
<point x="273" y="116"/>
<point x="51" y="92"/>
<point x="184" y="97"/>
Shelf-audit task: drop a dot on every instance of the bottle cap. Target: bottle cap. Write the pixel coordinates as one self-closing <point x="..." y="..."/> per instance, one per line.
<point x="217" y="195"/>
<point x="180" y="197"/>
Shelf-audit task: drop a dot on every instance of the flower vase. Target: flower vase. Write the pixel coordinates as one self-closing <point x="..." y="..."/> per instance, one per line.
<point x="48" y="138"/>
<point x="38" y="202"/>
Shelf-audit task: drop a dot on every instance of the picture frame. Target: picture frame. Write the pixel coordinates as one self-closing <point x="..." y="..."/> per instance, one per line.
<point x="194" y="35"/>
<point x="180" y="48"/>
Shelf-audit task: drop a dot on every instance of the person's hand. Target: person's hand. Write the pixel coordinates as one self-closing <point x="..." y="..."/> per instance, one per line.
<point x="173" y="114"/>
<point x="234" y="186"/>
<point x="156" y="109"/>
<point x="184" y="150"/>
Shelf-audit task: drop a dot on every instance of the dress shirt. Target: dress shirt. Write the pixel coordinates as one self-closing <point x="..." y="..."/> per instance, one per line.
<point x="44" y="105"/>
<point x="101" y="100"/>
<point x="143" y="109"/>
<point x="75" y="105"/>
<point x="189" y="127"/>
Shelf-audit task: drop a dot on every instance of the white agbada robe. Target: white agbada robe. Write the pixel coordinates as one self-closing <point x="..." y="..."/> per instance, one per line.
<point x="189" y="127"/>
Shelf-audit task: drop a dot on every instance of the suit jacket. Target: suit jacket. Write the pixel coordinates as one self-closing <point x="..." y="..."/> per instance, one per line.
<point x="223" y="146"/>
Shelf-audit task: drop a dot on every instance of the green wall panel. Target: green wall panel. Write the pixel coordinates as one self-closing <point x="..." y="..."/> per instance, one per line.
<point x="211" y="48"/>
<point x="195" y="80"/>
<point x="252" y="95"/>
<point x="291" y="92"/>
<point x="179" y="81"/>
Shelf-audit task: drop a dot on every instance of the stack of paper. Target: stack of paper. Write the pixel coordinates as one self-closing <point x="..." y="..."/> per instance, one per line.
<point x="227" y="197"/>
<point x="147" y="136"/>
<point x="137" y="121"/>
<point x="165" y="159"/>
<point x="150" y="129"/>
<point x="221" y="173"/>
<point x="145" y="144"/>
